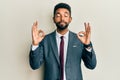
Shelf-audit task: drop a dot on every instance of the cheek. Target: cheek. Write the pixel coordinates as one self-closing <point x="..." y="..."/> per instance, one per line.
<point x="67" y="20"/>
<point x="56" y="20"/>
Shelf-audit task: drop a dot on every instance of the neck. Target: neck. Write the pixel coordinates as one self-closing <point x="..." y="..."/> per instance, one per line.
<point x="62" y="32"/>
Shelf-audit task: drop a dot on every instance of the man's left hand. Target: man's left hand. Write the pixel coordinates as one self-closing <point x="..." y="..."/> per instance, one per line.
<point x="84" y="36"/>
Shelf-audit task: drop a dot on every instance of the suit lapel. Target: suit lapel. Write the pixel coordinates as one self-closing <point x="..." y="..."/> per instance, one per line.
<point x="70" y="44"/>
<point x="54" y="46"/>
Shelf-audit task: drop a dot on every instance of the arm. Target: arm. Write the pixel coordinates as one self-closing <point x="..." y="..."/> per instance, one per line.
<point x="89" y="58"/>
<point x="36" y="56"/>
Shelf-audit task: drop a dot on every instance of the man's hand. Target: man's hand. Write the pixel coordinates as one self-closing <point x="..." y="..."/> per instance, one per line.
<point x="37" y="35"/>
<point x="84" y="36"/>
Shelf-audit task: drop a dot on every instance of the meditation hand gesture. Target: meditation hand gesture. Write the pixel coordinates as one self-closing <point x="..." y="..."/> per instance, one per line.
<point x="84" y="36"/>
<point x="37" y="35"/>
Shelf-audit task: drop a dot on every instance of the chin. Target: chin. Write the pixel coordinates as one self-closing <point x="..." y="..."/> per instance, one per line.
<point x="60" y="27"/>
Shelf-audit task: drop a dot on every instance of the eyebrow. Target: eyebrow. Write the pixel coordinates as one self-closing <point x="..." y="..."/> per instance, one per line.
<point x="65" y="12"/>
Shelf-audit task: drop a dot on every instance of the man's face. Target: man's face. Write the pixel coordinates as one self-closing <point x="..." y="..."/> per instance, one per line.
<point x="62" y="18"/>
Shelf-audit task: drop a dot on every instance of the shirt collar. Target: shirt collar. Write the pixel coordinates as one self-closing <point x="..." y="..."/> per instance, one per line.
<point x="59" y="35"/>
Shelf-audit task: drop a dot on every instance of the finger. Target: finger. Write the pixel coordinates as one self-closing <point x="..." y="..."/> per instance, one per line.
<point x="79" y="36"/>
<point x="35" y="26"/>
<point x="88" y="33"/>
<point x="88" y="28"/>
<point x="41" y="33"/>
<point x="35" y="23"/>
<point x="85" y="26"/>
<point x="88" y="24"/>
<point x="82" y="33"/>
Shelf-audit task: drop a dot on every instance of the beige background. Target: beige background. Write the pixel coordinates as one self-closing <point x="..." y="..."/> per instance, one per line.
<point x="17" y="17"/>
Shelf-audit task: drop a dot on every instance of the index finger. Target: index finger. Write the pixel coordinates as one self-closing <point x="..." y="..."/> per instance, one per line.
<point x="41" y="32"/>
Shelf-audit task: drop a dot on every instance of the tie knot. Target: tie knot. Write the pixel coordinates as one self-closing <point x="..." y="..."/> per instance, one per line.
<point x="62" y="37"/>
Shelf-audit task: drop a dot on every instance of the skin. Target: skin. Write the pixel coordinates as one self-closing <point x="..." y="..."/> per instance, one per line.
<point x="62" y="16"/>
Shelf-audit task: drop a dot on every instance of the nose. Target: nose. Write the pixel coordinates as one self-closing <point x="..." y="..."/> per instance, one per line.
<point x="62" y="18"/>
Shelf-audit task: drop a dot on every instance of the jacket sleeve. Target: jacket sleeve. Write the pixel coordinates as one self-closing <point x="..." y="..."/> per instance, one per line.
<point x="36" y="57"/>
<point x="89" y="58"/>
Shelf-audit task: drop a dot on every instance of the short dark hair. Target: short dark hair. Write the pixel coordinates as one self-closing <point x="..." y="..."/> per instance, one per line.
<point x="62" y="5"/>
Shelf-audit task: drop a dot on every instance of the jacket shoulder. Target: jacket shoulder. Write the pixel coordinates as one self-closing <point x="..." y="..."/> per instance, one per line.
<point x="50" y="34"/>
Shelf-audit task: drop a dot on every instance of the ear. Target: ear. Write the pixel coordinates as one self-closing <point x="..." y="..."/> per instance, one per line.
<point x="54" y="19"/>
<point x="70" y="19"/>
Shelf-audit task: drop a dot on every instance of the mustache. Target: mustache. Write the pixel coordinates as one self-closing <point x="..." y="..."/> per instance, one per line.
<point x="62" y="22"/>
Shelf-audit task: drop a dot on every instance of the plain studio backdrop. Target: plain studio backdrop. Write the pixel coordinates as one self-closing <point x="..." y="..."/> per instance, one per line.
<point x="17" y="17"/>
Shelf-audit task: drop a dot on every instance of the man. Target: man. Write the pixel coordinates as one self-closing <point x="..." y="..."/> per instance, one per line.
<point x="62" y="50"/>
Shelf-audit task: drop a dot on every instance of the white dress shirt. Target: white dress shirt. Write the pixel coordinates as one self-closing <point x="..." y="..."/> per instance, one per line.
<point x="58" y="39"/>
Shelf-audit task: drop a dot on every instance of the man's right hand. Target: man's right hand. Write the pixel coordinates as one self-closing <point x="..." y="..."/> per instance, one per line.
<point x="37" y="35"/>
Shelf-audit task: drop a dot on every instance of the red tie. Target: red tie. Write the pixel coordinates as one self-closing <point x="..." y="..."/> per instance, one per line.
<point x="62" y="58"/>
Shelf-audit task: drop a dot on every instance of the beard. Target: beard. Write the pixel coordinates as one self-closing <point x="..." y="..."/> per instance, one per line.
<point x="61" y="26"/>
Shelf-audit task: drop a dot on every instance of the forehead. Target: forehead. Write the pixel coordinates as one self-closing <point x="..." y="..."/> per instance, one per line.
<point x="62" y="10"/>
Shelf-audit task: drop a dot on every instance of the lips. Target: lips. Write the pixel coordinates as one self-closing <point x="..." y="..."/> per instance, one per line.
<point x="62" y="23"/>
